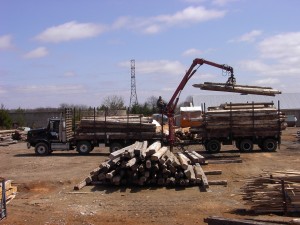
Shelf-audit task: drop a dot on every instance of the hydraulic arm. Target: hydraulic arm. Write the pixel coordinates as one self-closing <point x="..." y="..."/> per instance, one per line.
<point x="169" y="109"/>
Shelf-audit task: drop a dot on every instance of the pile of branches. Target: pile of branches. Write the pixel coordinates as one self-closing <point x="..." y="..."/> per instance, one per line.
<point x="276" y="192"/>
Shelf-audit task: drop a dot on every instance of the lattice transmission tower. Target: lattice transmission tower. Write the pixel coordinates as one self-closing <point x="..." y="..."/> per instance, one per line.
<point x="133" y="96"/>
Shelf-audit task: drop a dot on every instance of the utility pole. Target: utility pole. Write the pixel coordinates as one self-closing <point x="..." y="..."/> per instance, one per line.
<point x="133" y="96"/>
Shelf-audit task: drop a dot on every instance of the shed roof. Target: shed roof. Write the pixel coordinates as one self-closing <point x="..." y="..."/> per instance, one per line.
<point x="287" y="100"/>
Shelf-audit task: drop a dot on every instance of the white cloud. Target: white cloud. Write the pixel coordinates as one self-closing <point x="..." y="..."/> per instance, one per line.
<point x="283" y="46"/>
<point x="157" y="67"/>
<point x="69" y="74"/>
<point x="70" y="31"/>
<point x="37" y="53"/>
<point x="248" y="37"/>
<point x="222" y="2"/>
<point x="2" y="90"/>
<point x="194" y="1"/>
<point x="187" y="16"/>
<point x="192" y="52"/>
<point x="278" y="55"/>
<point x="52" y="89"/>
<point x="6" y="42"/>
<point x="267" y="81"/>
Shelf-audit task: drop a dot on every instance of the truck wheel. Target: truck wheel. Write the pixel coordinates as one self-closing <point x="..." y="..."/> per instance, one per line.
<point x="115" y="147"/>
<point x="84" y="147"/>
<point x="42" y="149"/>
<point x="213" y="146"/>
<point x="270" y="145"/>
<point x="246" y="145"/>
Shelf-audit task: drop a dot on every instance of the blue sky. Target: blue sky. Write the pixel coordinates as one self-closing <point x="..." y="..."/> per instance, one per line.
<point x="79" y="52"/>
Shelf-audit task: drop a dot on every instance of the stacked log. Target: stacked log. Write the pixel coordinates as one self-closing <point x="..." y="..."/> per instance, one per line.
<point x="244" y="89"/>
<point x="276" y="192"/>
<point x="143" y="164"/>
<point x="115" y="125"/>
<point x="242" y="118"/>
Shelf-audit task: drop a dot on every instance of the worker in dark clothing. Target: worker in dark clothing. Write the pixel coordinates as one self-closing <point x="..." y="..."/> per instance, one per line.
<point x="161" y="104"/>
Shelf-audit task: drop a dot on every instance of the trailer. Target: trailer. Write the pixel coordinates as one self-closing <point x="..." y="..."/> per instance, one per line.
<point x="82" y="131"/>
<point x="241" y="124"/>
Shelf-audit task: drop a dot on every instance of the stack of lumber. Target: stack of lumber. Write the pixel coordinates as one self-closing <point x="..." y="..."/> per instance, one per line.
<point x="143" y="164"/>
<point x="6" y="137"/>
<point x="10" y="191"/>
<point x="276" y="192"/>
<point x="115" y="124"/>
<point x="243" y="89"/>
<point x="243" y="117"/>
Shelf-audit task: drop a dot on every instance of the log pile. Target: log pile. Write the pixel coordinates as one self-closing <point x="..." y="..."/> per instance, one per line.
<point x="10" y="191"/>
<point x="276" y="192"/>
<point x="242" y="118"/>
<point x="243" y="89"/>
<point x="143" y="164"/>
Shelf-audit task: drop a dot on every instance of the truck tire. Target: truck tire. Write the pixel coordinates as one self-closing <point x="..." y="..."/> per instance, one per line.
<point x="270" y="145"/>
<point x="84" y="147"/>
<point x="115" y="147"/>
<point x="246" y="145"/>
<point x="41" y="149"/>
<point x="213" y="146"/>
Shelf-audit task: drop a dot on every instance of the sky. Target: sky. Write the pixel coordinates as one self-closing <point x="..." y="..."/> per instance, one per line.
<point x="79" y="52"/>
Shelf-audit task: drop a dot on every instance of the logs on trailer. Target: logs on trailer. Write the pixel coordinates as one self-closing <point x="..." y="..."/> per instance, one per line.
<point x="243" y="89"/>
<point x="85" y="125"/>
<point x="242" y="118"/>
<point x="139" y="164"/>
<point x="276" y="192"/>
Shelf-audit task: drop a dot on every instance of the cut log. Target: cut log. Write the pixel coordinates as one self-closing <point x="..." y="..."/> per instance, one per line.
<point x="184" y="161"/>
<point x="244" y="89"/>
<point x="199" y="173"/>
<point x="152" y="149"/>
<point x="217" y="182"/>
<point x="119" y="152"/>
<point x="159" y="154"/>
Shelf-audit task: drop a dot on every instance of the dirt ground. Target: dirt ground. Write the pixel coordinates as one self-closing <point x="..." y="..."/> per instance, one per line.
<point x="45" y="189"/>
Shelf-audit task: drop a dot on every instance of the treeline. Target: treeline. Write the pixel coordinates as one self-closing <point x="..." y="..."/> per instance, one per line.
<point x="112" y="102"/>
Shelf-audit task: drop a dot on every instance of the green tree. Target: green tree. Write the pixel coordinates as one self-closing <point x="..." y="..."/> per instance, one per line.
<point x="5" y="120"/>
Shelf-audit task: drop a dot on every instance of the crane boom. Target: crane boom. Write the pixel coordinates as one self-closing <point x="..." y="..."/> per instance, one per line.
<point x="171" y="106"/>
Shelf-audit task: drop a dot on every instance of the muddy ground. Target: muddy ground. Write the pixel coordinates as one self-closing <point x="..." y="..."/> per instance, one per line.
<point x="45" y="189"/>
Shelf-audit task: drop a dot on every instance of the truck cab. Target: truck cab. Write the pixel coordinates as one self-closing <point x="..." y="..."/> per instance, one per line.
<point x="53" y="137"/>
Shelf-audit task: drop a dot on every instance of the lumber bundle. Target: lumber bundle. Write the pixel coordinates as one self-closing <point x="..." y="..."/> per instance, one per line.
<point x="143" y="164"/>
<point x="242" y="118"/>
<point x="10" y="191"/>
<point x="113" y="125"/>
<point x="243" y="89"/>
<point x="276" y="192"/>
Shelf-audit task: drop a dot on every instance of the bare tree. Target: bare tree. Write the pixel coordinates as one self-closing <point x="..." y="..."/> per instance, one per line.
<point x="112" y="105"/>
<point x="151" y="102"/>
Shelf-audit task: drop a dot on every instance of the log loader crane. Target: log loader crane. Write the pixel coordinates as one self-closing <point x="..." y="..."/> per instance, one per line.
<point x="169" y="109"/>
